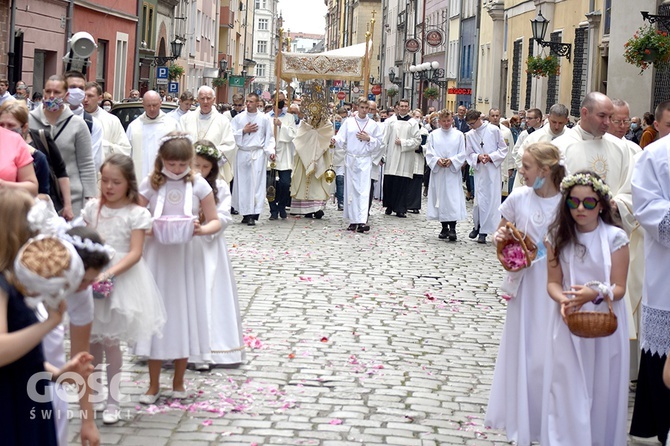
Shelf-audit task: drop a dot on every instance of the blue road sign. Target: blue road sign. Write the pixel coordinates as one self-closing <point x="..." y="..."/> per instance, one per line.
<point x="371" y="97"/>
<point x="173" y="87"/>
<point x="335" y="89"/>
<point x="162" y="73"/>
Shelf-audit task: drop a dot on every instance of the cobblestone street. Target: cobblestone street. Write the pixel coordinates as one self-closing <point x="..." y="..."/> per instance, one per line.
<point x="381" y="338"/>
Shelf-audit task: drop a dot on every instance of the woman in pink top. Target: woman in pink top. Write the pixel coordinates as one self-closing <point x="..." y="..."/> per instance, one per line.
<point x="16" y="163"/>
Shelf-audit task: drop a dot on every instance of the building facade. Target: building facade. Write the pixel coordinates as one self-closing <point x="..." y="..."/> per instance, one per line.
<point x="265" y="47"/>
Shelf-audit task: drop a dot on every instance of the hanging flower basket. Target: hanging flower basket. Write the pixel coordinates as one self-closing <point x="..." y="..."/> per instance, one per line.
<point x="647" y="47"/>
<point x="391" y="92"/>
<point x="175" y="72"/>
<point x="431" y="93"/>
<point x="539" y="66"/>
<point x="219" y="82"/>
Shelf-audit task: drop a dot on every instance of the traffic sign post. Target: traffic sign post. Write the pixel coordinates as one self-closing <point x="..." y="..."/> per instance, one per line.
<point x="371" y="97"/>
<point x="162" y="75"/>
<point x="341" y="96"/>
<point x="376" y="89"/>
<point x="173" y="87"/>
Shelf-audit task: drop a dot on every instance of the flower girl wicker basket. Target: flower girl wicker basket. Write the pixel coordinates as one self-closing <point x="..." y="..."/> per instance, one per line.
<point x="593" y="324"/>
<point x="527" y="245"/>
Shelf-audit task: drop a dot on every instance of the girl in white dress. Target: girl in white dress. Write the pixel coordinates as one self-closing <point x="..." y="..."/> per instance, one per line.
<point x="133" y="310"/>
<point x="585" y="398"/>
<point x="515" y="403"/>
<point x="173" y="191"/>
<point x="223" y="308"/>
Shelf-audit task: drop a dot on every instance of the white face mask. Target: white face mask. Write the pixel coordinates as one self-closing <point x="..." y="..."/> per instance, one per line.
<point x="106" y="108"/>
<point x="174" y="176"/>
<point x="75" y="96"/>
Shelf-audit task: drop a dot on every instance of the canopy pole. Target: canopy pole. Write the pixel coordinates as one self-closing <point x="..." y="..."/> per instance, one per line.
<point x="278" y="70"/>
<point x="368" y="53"/>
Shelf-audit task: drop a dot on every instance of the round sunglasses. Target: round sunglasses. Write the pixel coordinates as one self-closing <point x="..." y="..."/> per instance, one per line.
<point x="589" y="203"/>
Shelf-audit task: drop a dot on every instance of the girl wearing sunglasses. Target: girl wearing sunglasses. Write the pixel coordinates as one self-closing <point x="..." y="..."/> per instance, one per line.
<point x="586" y="379"/>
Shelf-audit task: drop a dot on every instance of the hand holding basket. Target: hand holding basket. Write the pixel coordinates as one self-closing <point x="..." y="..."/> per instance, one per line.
<point x="517" y="252"/>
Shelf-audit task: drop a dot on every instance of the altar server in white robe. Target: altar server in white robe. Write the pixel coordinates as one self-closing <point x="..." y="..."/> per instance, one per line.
<point x="587" y="146"/>
<point x="253" y="132"/>
<point x="146" y="131"/>
<point x="651" y="206"/>
<point x="555" y="127"/>
<point x="401" y="139"/>
<point x="286" y="131"/>
<point x="207" y="123"/>
<point x="445" y="155"/>
<point x="486" y="150"/>
<point x="361" y="139"/>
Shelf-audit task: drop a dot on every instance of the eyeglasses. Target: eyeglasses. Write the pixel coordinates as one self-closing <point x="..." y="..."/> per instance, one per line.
<point x="617" y="122"/>
<point x="238" y="105"/>
<point x="589" y="203"/>
<point x="471" y="123"/>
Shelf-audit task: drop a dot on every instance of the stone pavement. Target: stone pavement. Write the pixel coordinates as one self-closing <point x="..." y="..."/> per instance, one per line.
<point x="381" y="338"/>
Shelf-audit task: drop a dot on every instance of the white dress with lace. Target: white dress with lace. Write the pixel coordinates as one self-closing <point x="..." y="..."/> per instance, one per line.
<point x="134" y="311"/>
<point x="585" y="392"/>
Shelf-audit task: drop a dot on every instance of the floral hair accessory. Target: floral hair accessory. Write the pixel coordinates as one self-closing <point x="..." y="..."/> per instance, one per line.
<point x="88" y="244"/>
<point x="167" y="138"/>
<point x="586" y="179"/>
<point x="201" y="149"/>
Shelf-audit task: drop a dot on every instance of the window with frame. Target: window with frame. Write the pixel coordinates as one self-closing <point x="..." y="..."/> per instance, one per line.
<point x="262" y="47"/>
<point x="261" y="4"/>
<point x="261" y="70"/>
<point x="148" y="18"/>
<point x="263" y="24"/>
<point x="101" y="63"/>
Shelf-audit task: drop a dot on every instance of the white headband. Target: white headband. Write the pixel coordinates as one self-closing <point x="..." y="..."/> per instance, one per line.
<point x="51" y="291"/>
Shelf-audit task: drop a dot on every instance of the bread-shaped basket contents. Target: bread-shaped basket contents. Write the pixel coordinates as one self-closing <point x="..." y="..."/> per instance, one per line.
<point x="518" y="252"/>
<point x="48" y="268"/>
<point x="174" y="229"/>
<point x="593" y="324"/>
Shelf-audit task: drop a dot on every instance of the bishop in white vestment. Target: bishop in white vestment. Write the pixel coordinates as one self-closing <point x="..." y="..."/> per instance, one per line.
<point x="485" y="150"/>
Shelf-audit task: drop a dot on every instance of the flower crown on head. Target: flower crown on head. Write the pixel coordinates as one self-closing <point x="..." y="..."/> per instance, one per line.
<point x="201" y="149"/>
<point x="586" y="179"/>
<point x="167" y="138"/>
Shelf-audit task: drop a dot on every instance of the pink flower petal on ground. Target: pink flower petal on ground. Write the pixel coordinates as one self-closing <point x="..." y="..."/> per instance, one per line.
<point x="336" y="421"/>
<point x="207" y="423"/>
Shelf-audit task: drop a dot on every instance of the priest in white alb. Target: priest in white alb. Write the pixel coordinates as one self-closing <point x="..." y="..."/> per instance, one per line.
<point x="445" y="155"/>
<point x="146" y="131"/>
<point x="207" y="123"/>
<point x="361" y="140"/>
<point x="485" y="149"/>
<point x="587" y="146"/>
<point x="254" y="135"/>
<point x="651" y="206"/>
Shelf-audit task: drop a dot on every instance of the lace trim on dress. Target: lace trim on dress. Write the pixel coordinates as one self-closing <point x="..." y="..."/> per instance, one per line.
<point x="654" y="331"/>
<point x="620" y="240"/>
<point x="664" y="231"/>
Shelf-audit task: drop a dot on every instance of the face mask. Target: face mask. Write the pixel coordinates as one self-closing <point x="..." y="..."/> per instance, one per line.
<point x="106" y="108"/>
<point x="522" y="125"/>
<point x="282" y="104"/>
<point x="371" y="115"/>
<point x="633" y="126"/>
<point x="539" y="182"/>
<point x="52" y="105"/>
<point x="174" y="176"/>
<point x="75" y="96"/>
<point x="338" y="124"/>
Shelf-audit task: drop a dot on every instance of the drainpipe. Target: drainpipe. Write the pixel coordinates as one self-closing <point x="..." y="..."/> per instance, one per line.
<point x="68" y="25"/>
<point x="10" y="54"/>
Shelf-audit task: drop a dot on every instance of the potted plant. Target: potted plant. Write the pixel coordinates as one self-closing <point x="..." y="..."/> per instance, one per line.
<point x="391" y="92"/>
<point x="539" y="66"/>
<point x="647" y="47"/>
<point x="219" y="82"/>
<point x="175" y="72"/>
<point x="431" y="93"/>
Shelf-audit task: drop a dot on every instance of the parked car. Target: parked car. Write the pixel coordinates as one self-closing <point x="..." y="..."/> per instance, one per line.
<point x="128" y="111"/>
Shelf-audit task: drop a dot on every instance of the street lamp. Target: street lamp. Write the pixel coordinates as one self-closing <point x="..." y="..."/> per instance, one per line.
<point x="392" y="76"/>
<point x="429" y="71"/>
<point x="176" y="45"/>
<point x="539" y="27"/>
<point x="223" y="71"/>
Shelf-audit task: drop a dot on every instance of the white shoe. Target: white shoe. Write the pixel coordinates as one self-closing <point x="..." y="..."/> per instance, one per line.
<point x="202" y="366"/>
<point x="111" y="415"/>
<point x="149" y="399"/>
<point x="179" y="394"/>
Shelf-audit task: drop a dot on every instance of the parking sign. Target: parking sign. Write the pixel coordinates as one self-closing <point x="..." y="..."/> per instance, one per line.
<point x="173" y="87"/>
<point x="162" y="75"/>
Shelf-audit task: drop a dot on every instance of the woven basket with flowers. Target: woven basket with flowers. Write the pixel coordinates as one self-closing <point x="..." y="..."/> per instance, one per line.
<point x="517" y="252"/>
